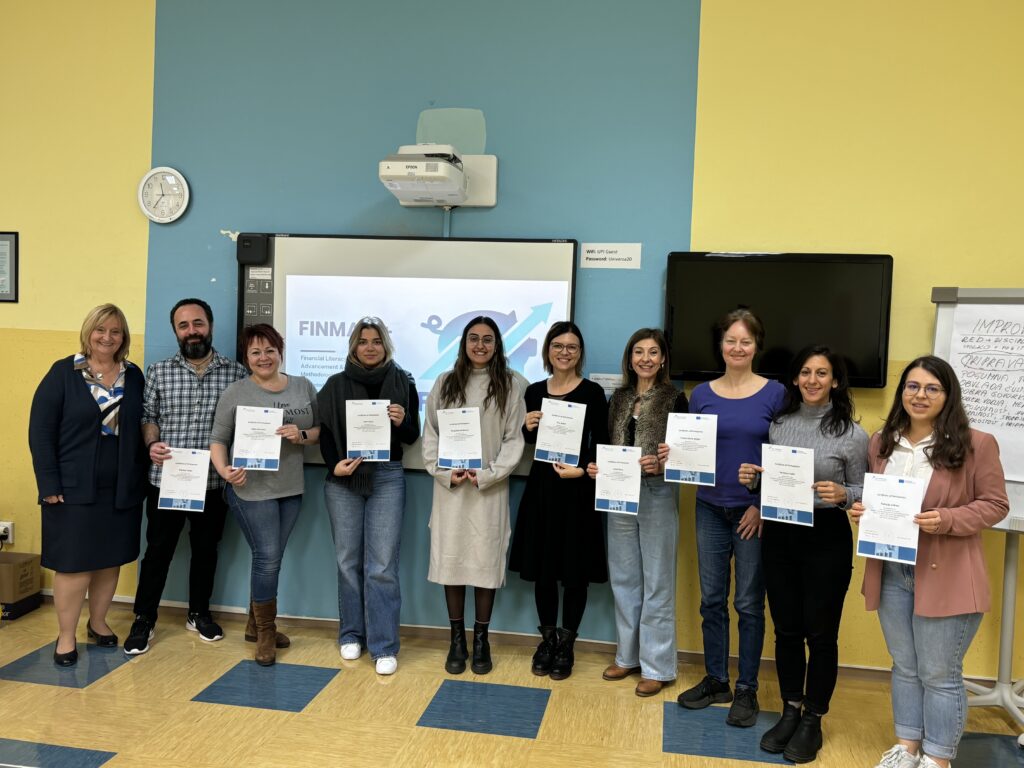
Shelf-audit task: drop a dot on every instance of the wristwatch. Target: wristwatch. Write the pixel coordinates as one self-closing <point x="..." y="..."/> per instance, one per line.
<point x="302" y="432"/>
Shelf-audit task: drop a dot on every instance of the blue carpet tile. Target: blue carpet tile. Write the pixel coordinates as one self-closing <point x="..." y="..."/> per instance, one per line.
<point x="30" y="755"/>
<point x="501" y="710"/>
<point x="705" y="732"/>
<point x="988" y="750"/>
<point x="38" y="667"/>
<point x="285" y="687"/>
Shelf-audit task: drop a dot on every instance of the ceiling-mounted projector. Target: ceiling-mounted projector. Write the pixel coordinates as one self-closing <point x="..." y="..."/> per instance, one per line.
<point x="437" y="175"/>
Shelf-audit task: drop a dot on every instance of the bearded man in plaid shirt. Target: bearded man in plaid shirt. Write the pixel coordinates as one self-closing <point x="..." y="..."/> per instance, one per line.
<point x="178" y="404"/>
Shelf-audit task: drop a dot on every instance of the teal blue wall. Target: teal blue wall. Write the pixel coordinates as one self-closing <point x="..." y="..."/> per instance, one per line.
<point x="278" y="113"/>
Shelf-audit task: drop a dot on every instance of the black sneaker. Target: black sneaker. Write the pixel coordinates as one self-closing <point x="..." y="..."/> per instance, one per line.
<point x="707" y="691"/>
<point x="203" y="623"/>
<point x="139" y="636"/>
<point x="743" y="712"/>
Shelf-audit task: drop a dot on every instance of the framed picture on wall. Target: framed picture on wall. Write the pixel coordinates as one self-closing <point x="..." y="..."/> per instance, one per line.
<point x="8" y="266"/>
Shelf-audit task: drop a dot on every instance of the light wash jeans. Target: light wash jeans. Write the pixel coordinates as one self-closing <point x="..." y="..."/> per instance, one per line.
<point x="929" y="700"/>
<point x="642" y="572"/>
<point x="266" y="525"/>
<point x="367" y="534"/>
<point x="718" y="542"/>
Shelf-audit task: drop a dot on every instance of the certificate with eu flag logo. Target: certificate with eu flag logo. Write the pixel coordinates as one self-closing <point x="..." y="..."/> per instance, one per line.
<point x="618" y="479"/>
<point x="887" y="530"/>
<point x="692" y="440"/>
<point x="183" y="480"/>
<point x="560" y="432"/>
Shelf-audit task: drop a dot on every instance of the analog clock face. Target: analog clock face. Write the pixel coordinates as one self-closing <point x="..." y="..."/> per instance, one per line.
<point x="163" y="195"/>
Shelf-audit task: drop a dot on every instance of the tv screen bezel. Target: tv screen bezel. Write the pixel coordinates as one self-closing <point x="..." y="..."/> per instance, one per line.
<point x="679" y="369"/>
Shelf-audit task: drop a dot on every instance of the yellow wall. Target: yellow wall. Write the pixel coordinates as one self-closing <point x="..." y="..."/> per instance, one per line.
<point x="75" y="136"/>
<point x="871" y="127"/>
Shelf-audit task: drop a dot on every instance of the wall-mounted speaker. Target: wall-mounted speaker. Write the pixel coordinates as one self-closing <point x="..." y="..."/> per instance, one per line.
<point x="251" y="248"/>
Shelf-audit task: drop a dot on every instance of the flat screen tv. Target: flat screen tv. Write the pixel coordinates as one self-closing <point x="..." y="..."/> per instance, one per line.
<point x="841" y="300"/>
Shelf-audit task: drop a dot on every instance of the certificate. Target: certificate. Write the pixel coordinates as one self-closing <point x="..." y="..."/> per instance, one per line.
<point x="367" y="430"/>
<point x="787" y="484"/>
<point x="618" y="479"/>
<point x="887" y="530"/>
<point x="183" y="480"/>
<point x="257" y="444"/>
<point x="458" y="439"/>
<point x="691" y="439"/>
<point x="560" y="433"/>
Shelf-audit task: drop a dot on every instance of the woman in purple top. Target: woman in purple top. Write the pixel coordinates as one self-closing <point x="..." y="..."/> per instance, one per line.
<point x="728" y="525"/>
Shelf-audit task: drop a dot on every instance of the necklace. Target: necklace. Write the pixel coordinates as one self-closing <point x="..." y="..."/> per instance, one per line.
<point x="201" y="365"/>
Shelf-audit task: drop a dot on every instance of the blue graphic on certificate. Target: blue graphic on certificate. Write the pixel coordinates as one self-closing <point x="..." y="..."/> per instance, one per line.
<point x="887" y="530"/>
<point x="617" y="488"/>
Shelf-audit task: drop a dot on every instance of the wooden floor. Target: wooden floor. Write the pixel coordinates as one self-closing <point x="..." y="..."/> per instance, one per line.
<point x="143" y="711"/>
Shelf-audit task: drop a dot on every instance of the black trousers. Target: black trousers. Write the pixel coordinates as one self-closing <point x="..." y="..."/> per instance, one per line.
<point x="162" y="533"/>
<point x="807" y="572"/>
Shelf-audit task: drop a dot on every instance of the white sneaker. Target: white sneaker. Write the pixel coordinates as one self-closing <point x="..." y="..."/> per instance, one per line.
<point x="386" y="665"/>
<point x="899" y="757"/>
<point x="927" y="762"/>
<point x="351" y="651"/>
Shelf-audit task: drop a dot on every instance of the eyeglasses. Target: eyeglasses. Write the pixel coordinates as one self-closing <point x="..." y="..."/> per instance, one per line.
<point x="572" y="349"/>
<point x="487" y="341"/>
<point x="931" y="391"/>
<point x="371" y="320"/>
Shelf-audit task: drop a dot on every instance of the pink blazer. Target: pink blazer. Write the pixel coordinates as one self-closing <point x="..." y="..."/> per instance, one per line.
<point x="950" y="576"/>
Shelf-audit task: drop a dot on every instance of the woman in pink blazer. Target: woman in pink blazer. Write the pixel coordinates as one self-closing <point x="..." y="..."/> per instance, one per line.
<point x="930" y="612"/>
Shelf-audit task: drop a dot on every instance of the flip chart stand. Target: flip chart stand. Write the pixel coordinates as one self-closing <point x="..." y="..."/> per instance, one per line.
<point x="1004" y="692"/>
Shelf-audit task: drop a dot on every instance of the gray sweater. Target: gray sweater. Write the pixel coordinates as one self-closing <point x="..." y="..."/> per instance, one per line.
<point x="298" y="400"/>
<point x="841" y="459"/>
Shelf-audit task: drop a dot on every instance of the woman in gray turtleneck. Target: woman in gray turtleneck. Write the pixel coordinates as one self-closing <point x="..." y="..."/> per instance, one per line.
<point x="807" y="569"/>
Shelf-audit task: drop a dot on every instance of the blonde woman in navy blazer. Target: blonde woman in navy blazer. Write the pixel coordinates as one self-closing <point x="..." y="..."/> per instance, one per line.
<point x="85" y="434"/>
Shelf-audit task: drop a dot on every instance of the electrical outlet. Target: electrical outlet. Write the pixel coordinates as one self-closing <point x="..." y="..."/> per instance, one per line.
<point x="7" y="528"/>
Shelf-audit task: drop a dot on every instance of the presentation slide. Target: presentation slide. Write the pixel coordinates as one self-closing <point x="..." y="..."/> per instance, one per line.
<point x="424" y="291"/>
<point x="425" y="317"/>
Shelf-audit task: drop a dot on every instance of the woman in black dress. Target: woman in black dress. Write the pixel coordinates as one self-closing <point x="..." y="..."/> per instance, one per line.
<point x="85" y="434"/>
<point x="558" y="535"/>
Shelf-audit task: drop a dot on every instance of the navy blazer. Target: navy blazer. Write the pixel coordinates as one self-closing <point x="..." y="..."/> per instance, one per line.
<point x="64" y="435"/>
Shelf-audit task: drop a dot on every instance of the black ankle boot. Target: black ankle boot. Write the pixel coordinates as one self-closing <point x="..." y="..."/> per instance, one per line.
<point x="806" y="742"/>
<point x="561" y="667"/>
<point x="455" y="664"/>
<point x="777" y="737"/>
<point x="481" y="650"/>
<point x="545" y="652"/>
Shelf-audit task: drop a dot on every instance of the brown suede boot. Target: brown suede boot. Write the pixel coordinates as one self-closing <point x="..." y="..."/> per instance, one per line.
<point x="250" y="632"/>
<point x="266" y="632"/>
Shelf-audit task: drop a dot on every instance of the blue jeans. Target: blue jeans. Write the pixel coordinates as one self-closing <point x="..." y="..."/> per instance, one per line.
<point x="642" y="572"/>
<point x="367" y="534"/>
<point x="717" y="543"/>
<point x="266" y="526"/>
<point x="929" y="701"/>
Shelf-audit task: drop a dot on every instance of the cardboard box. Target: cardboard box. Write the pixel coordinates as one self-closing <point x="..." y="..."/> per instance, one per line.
<point x="9" y="611"/>
<point x="19" y="576"/>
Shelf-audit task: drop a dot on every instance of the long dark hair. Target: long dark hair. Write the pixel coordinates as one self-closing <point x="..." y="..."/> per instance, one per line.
<point x="453" y="389"/>
<point x="952" y="428"/>
<point x="840" y="416"/>
<point x="629" y="377"/>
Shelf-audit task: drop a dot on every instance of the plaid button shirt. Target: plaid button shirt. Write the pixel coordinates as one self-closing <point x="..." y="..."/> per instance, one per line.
<point x="182" y="404"/>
